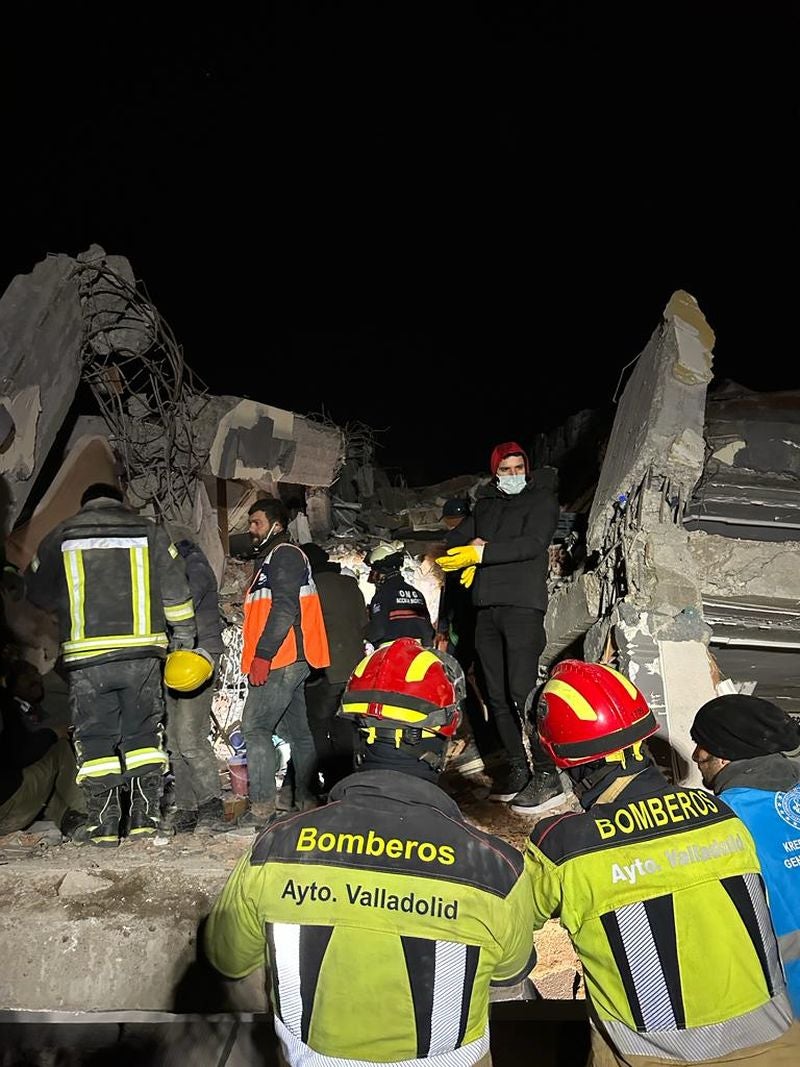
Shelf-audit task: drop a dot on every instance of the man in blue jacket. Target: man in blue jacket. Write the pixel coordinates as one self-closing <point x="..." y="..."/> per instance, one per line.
<point x="742" y="745"/>
<point x="502" y="551"/>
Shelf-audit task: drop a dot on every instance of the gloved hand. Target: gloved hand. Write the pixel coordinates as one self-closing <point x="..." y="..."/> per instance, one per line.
<point x="467" y="576"/>
<point x="464" y="556"/>
<point x="259" y="671"/>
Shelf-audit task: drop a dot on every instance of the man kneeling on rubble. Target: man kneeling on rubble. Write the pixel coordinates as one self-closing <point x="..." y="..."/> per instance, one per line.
<point x="37" y="766"/>
<point x="383" y="917"/>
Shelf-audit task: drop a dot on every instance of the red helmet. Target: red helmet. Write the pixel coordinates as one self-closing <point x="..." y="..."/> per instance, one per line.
<point x="588" y="710"/>
<point x="403" y="684"/>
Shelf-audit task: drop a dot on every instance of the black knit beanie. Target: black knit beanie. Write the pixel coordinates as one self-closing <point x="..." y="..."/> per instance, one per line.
<point x="741" y="727"/>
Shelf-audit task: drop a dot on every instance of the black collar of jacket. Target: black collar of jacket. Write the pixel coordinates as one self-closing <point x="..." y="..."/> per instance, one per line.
<point x="772" y="772"/>
<point x="397" y="786"/>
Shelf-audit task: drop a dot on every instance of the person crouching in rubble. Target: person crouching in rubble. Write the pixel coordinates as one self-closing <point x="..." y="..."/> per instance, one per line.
<point x="397" y="609"/>
<point x="37" y="764"/>
<point x="386" y="897"/>
<point x="115" y="581"/>
<point x="659" y="888"/>
<point x="743" y="749"/>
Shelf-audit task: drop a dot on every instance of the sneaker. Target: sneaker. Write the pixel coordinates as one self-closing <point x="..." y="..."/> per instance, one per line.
<point x="464" y="757"/>
<point x="510" y="782"/>
<point x="542" y="793"/>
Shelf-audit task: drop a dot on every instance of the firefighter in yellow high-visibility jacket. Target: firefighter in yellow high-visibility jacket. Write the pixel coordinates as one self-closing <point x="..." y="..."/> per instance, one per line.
<point x="659" y="888"/>
<point x="383" y="917"/>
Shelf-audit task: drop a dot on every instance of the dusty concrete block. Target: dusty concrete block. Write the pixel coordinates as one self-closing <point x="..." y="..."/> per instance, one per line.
<point x="81" y="883"/>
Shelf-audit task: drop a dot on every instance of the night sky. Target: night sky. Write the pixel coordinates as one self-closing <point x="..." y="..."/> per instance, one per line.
<point x="455" y="222"/>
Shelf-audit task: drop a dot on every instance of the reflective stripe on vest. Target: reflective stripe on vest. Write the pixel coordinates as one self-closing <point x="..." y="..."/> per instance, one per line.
<point x="257" y="606"/>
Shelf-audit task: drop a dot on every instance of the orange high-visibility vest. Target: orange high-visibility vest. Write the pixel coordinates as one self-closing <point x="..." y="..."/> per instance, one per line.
<point x="257" y="606"/>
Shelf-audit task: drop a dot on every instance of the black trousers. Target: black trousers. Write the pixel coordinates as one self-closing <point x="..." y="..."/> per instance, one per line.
<point x="463" y="651"/>
<point x="118" y="714"/>
<point x="509" y="642"/>
<point x="333" y="736"/>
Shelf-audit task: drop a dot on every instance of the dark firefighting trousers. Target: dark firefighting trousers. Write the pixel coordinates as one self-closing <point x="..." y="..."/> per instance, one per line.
<point x="118" y="714"/>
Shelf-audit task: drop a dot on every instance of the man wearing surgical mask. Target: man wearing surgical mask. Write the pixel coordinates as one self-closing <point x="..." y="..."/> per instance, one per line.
<point x="283" y="638"/>
<point x="501" y="550"/>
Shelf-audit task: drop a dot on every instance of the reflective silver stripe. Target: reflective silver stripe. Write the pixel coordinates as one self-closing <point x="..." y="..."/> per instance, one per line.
<point x="180" y="612"/>
<point x="646" y="970"/>
<point x="756" y="891"/>
<point x="112" y="641"/>
<point x="448" y="990"/>
<point x="73" y="568"/>
<point x="259" y="594"/>
<point x="789" y="946"/>
<point x="286" y="937"/>
<point x="140" y="589"/>
<point x="698" y="1043"/>
<point x="140" y="759"/>
<point x="82" y="543"/>
<point x="298" y="1054"/>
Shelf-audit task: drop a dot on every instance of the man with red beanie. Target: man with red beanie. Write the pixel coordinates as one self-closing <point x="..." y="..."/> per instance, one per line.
<point x="502" y="551"/>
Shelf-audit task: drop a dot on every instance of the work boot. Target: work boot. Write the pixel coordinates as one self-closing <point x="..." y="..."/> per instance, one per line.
<point x="101" y="827"/>
<point x="542" y="793"/>
<point x="511" y="781"/>
<point x="145" y="813"/>
<point x="211" y="817"/>
<point x="181" y="821"/>
<point x="255" y="819"/>
<point x="71" y="822"/>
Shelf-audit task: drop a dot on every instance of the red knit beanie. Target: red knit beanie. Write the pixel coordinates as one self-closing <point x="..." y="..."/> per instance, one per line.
<point x="508" y="448"/>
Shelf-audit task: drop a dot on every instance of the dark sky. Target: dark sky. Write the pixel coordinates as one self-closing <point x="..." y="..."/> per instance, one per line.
<point x="456" y="222"/>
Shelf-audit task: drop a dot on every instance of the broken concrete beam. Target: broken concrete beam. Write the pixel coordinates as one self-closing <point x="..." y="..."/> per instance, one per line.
<point x="659" y="422"/>
<point x="40" y="341"/>
<point x="747" y="571"/>
<point x="572" y="610"/>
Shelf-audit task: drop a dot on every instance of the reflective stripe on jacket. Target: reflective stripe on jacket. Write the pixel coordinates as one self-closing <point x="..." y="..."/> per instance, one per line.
<point x="305" y="638"/>
<point x="116" y="582"/>
<point x="385" y="917"/>
<point x="661" y="893"/>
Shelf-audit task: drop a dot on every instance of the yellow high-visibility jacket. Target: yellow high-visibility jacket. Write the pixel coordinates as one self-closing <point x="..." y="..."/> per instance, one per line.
<point x="661" y="892"/>
<point x="383" y="918"/>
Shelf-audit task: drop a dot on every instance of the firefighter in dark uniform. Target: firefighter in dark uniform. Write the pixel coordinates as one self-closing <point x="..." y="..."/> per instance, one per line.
<point x="122" y="599"/>
<point x="660" y="890"/>
<point x="397" y="609"/>
<point x="383" y="917"/>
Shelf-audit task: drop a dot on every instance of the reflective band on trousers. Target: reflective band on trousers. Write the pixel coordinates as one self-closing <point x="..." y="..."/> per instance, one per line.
<point x="298" y="1054"/>
<point x="698" y="1043"/>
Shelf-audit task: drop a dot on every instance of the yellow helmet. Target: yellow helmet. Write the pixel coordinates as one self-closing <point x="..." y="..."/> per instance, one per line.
<point x="186" y="670"/>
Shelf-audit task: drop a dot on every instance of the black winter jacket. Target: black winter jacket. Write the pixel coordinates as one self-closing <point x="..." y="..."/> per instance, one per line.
<point x="518" y="530"/>
<point x="205" y="594"/>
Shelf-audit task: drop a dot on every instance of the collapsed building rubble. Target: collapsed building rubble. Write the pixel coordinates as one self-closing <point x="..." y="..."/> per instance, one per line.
<point x="691" y="582"/>
<point x="677" y="559"/>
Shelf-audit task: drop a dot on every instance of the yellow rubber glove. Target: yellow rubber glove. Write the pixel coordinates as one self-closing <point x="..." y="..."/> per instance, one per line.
<point x="468" y="576"/>
<point x="457" y="558"/>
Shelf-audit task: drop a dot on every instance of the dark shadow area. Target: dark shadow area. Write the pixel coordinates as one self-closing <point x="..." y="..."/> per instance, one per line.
<point x="202" y="989"/>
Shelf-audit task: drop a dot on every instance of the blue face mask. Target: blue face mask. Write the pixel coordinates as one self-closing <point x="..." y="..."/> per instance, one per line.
<point x="511" y="484"/>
